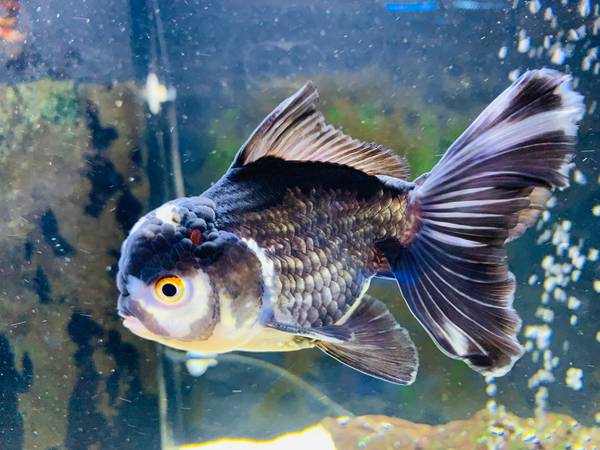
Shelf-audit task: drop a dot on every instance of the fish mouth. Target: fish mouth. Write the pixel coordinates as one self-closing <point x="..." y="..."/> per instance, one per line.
<point x="134" y="325"/>
<point x="123" y="306"/>
<point x="129" y="312"/>
<point x="130" y="322"/>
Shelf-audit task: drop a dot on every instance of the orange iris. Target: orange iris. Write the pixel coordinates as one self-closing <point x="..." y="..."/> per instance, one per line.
<point x="169" y="289"/>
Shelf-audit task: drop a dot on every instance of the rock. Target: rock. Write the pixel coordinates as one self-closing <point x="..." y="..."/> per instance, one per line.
<point x="481" y="432"/>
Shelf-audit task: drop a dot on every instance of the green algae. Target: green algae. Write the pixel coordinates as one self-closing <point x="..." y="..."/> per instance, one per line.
<point x="60" y="232"/>
<point x="45" y="100"/>
<point x="402" y="122"/>
<point x="25" y="108"/>
<point x="40" y="151"/>
<point x="225" y="131"/>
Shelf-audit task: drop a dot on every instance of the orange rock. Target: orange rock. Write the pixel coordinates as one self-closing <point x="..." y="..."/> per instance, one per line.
<point x="480" y="432"/>
<point x="10" y="35"/>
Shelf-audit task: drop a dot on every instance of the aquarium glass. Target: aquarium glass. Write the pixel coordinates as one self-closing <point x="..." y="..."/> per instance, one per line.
<point x="108" y="109"/>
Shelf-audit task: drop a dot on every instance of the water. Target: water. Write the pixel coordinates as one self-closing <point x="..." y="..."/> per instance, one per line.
<point x="88" y="145"/>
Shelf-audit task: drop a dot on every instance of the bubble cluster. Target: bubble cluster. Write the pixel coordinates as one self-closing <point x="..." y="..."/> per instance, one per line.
<point x="524" y="43"/>
<point x="503" y="52"/>
<point x="559" y="35"/>
<point x="561" y="268"/>
<point x="589" y="61"/>
<point x="574" y="378"/>
<point x="584" y="8"/>
<point x="534" y="6"/>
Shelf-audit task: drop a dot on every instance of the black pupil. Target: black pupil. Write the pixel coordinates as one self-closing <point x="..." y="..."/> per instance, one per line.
<point x="169" y="290"/>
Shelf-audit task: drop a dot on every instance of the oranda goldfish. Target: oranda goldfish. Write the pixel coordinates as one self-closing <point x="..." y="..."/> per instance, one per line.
<point x="279" y="253"/>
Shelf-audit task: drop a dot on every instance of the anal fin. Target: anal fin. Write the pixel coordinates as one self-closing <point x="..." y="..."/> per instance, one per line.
<point x="377" y="345"/>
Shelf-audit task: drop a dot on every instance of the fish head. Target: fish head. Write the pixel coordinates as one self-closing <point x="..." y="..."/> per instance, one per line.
<point x="187" y="284"/>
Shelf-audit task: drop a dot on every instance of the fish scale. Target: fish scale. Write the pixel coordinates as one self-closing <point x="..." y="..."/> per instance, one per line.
<point x="321" y="246"/>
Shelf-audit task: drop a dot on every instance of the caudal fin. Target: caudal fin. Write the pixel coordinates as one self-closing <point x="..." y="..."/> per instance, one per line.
<point x="487" y="189"/>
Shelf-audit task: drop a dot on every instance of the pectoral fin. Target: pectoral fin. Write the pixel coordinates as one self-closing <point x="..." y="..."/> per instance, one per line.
<point x="370" y="341"/>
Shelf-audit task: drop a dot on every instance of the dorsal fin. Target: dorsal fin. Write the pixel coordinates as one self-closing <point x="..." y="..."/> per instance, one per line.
<point x="296" y="131"/>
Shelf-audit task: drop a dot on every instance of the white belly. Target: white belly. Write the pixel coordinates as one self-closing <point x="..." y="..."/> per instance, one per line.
<point x="270" y="340"/>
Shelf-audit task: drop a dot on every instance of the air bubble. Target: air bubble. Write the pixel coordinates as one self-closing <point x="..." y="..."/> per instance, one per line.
<point x="584" y="8"/>
<point x="576" y="34"/>
<point x="574" y="378"/>
<point x="545" y="314"/>
<point x="573" y="320"/>
<point x="514" y="74"/>
<point x="534" y="6"/>
<point x="558" y="55"/>
<point x="524" y="42"/>
<point x="586" y="64"/>
<point x="542" y="334"/>
<point x="544" y="237"/>
<point x="596" y="26"/>
<point x="573" y="303"/>
<point x="546" y="215"/>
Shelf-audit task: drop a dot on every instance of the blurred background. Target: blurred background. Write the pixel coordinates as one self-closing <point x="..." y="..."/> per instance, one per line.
<point x="109" y="108"/>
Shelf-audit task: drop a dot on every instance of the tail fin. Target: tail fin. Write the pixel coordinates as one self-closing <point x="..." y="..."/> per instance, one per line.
<point x="489" y="186"/>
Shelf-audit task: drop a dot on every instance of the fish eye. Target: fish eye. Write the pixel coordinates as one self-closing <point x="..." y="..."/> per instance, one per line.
<point x="170" y="289"/>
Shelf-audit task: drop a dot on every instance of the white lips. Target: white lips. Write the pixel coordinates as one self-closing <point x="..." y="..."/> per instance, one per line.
<point x="135" y="326"/>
